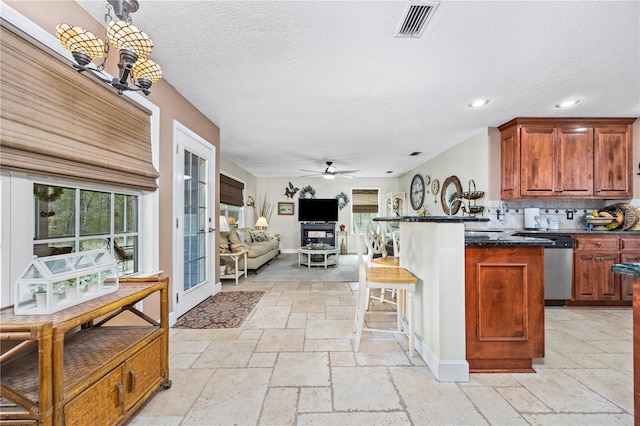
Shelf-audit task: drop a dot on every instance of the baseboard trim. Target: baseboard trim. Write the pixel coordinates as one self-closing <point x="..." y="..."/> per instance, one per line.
<point x="444" y="371"/>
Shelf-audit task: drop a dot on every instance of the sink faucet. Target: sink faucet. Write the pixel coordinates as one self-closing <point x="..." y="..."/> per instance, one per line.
<point x="462" y="200"/>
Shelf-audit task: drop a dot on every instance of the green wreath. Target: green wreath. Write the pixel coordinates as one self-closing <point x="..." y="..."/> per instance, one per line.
<point x="308" y="192"/>
<point x="41" y="192"/>
<point x="343" y="200"/>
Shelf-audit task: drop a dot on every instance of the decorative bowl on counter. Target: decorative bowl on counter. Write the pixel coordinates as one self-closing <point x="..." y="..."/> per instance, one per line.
<point x="599" y="222"/>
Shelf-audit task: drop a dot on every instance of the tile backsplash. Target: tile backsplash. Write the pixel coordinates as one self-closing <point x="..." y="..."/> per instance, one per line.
<point x="551" y="209"/>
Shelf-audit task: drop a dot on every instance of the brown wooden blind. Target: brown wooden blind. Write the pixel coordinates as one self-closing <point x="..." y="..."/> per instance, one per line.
<point x="231" y="191"/>
<point x="364" y="200"/>
<point x="57" y="122"/>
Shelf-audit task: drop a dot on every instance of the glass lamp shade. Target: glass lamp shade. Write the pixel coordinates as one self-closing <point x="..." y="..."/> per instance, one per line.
<point x="128" y="37"/>
<point x="146" y="72"/>
<point x="85" y="46"/>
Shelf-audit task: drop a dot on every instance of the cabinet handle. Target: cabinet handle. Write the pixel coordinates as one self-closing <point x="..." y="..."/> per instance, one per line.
<point x="559" y="190"/>
<point x="133" y="380"/>
<point x="599" y="244"/>
<point x="621" y="244"/>
<point x="598" y="190"/>
<point x="120" y="390"/>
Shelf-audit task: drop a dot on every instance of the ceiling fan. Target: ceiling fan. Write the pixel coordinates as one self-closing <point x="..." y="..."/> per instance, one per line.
<point x="330" y="172"/>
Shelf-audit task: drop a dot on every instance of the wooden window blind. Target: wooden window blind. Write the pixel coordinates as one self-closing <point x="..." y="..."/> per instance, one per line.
<point x="364" y="200"/>
<point x="231" y="191"/>
<point x="56" y="122"/>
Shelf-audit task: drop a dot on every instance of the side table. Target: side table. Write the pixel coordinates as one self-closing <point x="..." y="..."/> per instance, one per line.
<point x="236" y="272"/>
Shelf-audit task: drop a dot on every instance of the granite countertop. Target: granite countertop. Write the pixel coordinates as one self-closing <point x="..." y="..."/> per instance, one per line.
<point x="443" y="219"/>
<point x="627" y="269"/>
<point x="506" y="238"/>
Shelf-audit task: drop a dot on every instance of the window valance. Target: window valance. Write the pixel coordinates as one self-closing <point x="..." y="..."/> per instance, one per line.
<point x="364" y="200"/>
<point x="56" y="122"/>
<point x="231" y="191"/>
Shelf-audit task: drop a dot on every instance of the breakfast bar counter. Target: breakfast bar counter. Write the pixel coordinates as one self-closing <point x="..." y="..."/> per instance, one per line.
<point x="434" y="250"/>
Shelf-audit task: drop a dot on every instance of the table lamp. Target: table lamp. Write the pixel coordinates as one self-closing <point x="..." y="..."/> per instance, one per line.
<point x="262" y="223"/>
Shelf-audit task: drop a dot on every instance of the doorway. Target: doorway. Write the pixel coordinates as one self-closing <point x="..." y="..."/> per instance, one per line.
<point x="194" y="208"/>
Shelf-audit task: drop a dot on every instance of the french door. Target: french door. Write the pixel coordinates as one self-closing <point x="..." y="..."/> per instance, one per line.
<point x="194" y="196"/>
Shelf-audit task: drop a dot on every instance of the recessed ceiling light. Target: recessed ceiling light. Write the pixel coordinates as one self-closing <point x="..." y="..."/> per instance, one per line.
<point x="478" y="103"/>
<point x="567" y="104"/>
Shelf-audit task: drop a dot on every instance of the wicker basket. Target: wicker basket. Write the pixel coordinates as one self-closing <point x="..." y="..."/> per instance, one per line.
<point x="631" y="214"/>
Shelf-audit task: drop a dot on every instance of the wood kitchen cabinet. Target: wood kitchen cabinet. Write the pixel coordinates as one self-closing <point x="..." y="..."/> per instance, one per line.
<point x="504" y="306"/>
<point x="86" y="371"/>
<point x="593" y="257"/>
<point x="566" y="158"/>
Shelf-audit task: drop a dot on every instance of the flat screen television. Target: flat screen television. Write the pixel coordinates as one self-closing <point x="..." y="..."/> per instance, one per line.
<point x="318" y="210"/>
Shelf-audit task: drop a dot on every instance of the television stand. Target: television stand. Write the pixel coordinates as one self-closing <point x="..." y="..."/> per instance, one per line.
<point x="318" y="233"/>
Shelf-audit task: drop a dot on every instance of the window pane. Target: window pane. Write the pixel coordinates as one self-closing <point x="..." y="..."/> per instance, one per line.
<point x="95" y="212"/>
<point x="125" y="213"/>
<point x="95" y="244"/>
<point x="51" y="249"/>
<point x="54" y="212"/>
<point x="125" y="251"/>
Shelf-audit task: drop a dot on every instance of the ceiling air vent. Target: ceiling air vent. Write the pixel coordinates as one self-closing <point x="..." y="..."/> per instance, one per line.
<point x="416" y="17"/>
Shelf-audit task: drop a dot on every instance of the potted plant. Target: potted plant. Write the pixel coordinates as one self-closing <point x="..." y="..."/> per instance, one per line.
<point x="40" y="293"/>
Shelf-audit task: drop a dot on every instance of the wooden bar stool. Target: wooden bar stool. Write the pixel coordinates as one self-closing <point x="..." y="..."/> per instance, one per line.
<point x="398" y="279"/>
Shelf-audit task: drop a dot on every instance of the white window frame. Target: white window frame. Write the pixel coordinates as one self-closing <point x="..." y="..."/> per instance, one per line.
<point x="16" y="190"/>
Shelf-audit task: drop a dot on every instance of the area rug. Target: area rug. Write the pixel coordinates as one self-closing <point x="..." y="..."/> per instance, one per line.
<point x="285" y="268"/>
<point x="228" y="309"/>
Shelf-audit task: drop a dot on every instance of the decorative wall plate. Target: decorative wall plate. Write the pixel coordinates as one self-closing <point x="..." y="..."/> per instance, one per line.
<point x="435" y="187"/>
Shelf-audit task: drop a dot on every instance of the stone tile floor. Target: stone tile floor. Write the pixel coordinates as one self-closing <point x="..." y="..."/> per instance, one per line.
<point x="292" y="362"/>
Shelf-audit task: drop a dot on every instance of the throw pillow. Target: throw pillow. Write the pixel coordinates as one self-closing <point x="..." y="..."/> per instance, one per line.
<point x="240" y="235"/>
<point x="259" y="236"/>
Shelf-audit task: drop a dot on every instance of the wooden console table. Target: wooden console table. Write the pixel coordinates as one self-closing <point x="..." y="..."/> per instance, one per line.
<point x="69" y="370"/>
<point x="237" y="273"/>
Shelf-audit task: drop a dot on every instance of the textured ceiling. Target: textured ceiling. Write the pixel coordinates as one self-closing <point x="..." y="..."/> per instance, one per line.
<point x="293" y="84"/>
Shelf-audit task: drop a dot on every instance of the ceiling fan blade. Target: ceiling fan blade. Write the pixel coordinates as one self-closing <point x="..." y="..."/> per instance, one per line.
<point x="347" y="172"/>
<point x="312" y="171"/>
<point x="346" y="176"/>
<point x="313" y="175"/>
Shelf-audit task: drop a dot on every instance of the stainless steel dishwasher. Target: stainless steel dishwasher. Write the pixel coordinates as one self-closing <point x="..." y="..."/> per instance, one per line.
<point x="558" y="268"/>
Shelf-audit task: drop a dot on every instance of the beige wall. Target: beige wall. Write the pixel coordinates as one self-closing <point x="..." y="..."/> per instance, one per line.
<point x="470" y="159"/>
<point x="47" y="14"/>
<point x="289" y="227"/>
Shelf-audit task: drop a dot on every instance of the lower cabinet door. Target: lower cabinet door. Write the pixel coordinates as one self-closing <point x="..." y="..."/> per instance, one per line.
<point x="592" y="277"/>
<point x="101" y="404"/>
<point x="143" y="371"/>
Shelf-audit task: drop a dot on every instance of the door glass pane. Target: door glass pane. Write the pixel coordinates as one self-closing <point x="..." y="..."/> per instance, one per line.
<point x="54" y="212"/>
<point x="195" y="216"/>
<point x="95" y="213"/>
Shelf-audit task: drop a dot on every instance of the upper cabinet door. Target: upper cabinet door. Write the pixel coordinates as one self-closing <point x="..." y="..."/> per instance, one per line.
<point x="574" y="157"/>
<point x="613" y="162"/>
<point x="566" y="158"/>
<point x="537" y="156"/>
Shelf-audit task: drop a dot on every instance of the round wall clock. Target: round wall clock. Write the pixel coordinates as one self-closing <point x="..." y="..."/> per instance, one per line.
<point x="427" y="180"/>
<point x="417" y="192"/>
<point x="435" y="186"/>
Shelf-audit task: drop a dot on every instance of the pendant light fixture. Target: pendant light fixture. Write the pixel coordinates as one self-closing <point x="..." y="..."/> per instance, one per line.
<point x="136" y="71"/>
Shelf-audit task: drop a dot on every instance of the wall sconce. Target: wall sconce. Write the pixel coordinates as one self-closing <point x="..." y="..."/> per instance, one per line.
<point x="134" y="46"/>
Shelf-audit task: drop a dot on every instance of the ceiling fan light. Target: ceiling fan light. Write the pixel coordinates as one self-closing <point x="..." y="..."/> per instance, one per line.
<point x="83" y="44"/>
<point x="329" y="176"/>
<point x="128" y="37"/>
<point x="146" y="72"/>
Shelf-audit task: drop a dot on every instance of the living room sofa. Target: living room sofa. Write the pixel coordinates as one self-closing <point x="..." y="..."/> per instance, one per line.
<point x="262" y="246"/>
